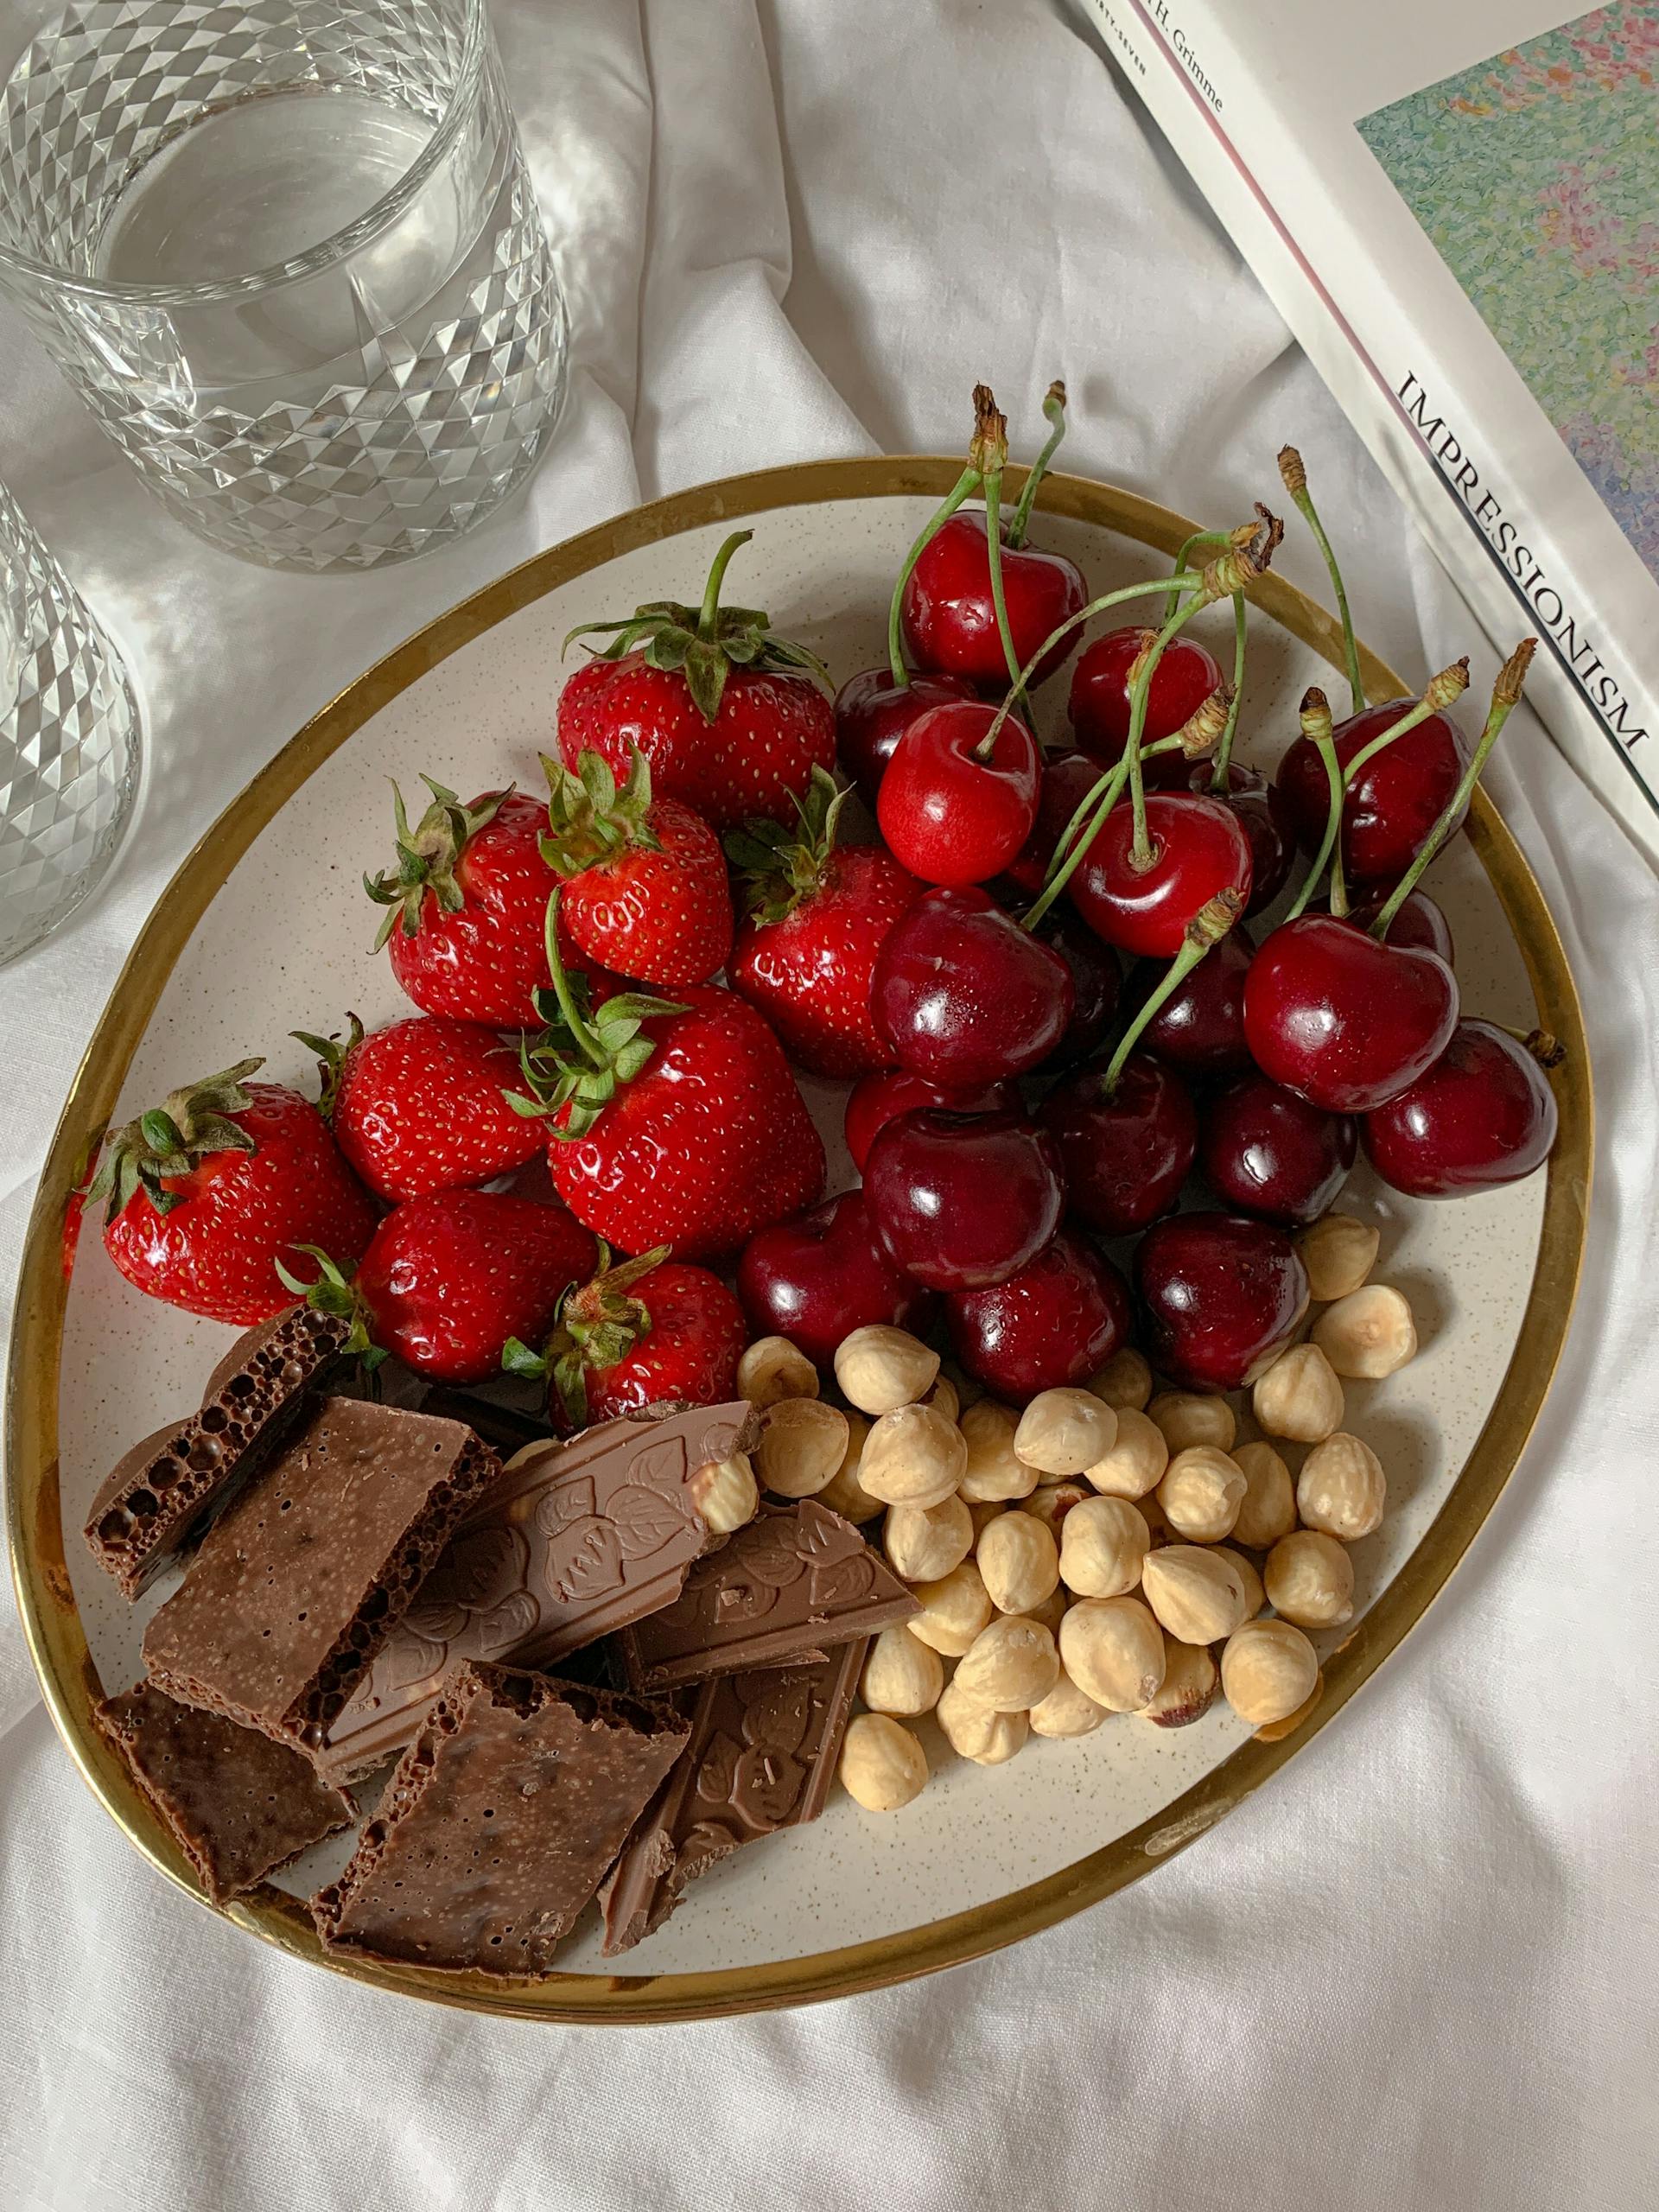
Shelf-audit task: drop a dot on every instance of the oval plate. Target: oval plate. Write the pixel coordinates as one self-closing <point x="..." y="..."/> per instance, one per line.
<point x="980" y="1860"/>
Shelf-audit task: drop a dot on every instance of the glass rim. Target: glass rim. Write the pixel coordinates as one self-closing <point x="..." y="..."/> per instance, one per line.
<point x="45" y="275"/>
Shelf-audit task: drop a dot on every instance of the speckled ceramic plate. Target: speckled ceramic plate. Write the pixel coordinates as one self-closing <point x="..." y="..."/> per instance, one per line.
<point x="984" y="1856"/>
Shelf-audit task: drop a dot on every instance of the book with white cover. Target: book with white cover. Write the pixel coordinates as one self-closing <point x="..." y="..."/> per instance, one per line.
<point x="1456" y="209"/>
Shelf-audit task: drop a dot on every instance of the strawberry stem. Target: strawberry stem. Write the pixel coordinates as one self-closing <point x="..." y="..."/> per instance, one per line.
<point x="1295" y="482"/>
<point x="1207" y="928"/>
<point x="1054" y="415"/>
<point x="581" y="1035"/>
<point x="709" y="613"/>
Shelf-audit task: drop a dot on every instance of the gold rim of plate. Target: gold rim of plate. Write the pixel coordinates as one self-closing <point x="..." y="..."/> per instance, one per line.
<point x="51" y="1621"/>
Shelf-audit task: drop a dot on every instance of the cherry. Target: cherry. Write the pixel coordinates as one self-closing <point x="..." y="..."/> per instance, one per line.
<point x="1221" y="1297"/>
<point x="1265" y="819"/>
<point x="1099" y="705"/>
<point x="1067" y="781"/>
<point x="1393" y="803"/>
<point x="1266" y="1151"/>
<point x="880" y="1098"/>
<point x="1096" y="986"/>
<point x="949" y="619"/>
<point x="1200" y="1028"/>
<point x="1420" y="924"/>
<point x="961" y="1201"/>
<point x="1483" y="1115"/>
<point x="1126" y="1148"/>
<point x="1053" y="1325"/>
<point x="816" y="1280"/>
<point x="873" y="712"/>
<point x="952" y="811"/>
<point x="1342" y="1020"/>
<point x="964" y="995"/>
<point x="1198" y="850"/>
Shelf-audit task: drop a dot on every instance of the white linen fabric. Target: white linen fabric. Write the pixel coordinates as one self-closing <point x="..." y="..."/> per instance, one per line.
<point x="1419" y="1968"/>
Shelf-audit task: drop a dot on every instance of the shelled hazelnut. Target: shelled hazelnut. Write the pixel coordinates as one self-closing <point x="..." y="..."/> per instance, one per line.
<point x="1050" y="1501"/>
<point x="1299" y="1396"/>
<point x="1201" y="1492"/>
<point x="901" y="1675"/>
<point x="880" y="1369"/>
<point x="725" y="1493"/>
<point x="1188" y="1688"/>
<point x="1255" y="1595"/>
<point x="843" y="1493"/>
<point x="1267" y="1509"/>
<point x="1104" y="1544"/>
<point x="1113" y="1650"/>
<point x="924" y="1542"/>
<point x="1342" y="1488"/>
<point x="1067" y="1711"/>
<point x="944" y="1398"/>
<point x="1188" y="1417"/>
<point x="1368" y="1334"/>
<point x="1010" y="1664"/>
<point x="1136" y="1461"/>
<point x="882" y="1766"/>
<point x="773" y="1367"/>
<point x="1339" y="1253"/>
<point x="913" y="1456"/>
<point x="979" y="1731"/>
<point x="1063" y="1432"/>
<point x="1309" y="1579"/>
<point x="1018" y="1561"/>
<point x="993" y="1469"/>
<point x="1126" y="1380"/>
<point x="954" y="1611"/>
<point x="1197" y="1594"/>
<point x="1268" y="1671"/>
<point x="803" y="1442"/>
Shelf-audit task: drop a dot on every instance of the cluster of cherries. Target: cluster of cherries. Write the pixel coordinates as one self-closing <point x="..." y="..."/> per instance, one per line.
<point x="1007" y="1143"/>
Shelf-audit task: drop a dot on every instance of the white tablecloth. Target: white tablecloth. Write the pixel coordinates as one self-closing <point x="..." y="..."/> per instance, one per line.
<point x="1418" y="1970"/>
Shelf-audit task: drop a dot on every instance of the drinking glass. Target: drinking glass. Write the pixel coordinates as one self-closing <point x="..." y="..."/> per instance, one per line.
<point x="289" y="253"/>
<point x="68" y="740"/>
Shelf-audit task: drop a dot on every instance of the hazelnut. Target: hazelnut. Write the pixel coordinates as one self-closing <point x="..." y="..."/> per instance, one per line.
<point x="1198" y="1595"/>
<point x="725" y="1493"/>
<point x="1136" y="1461"/>
<point x="954" y="1609"/>
<point x="843" y="1493"/>
<point x="1339" y="1253"/>
<point x="1052" y="1611"/>
<point x="993" y="1471"/>
<point x="900" y="1674"/>
<point x="1267" y="1509"/>
<point x="1299" y="1396"/>
<point x="773" y="1367"/>
<point x="803" y="1442"/>
<point x="880" y="1369"/>
<point x="1113" y="1650"/>
<point x="1187" y="1417"/>
<point x="1368" y="1334"/>
<point x="1269" y="1670"/>
<point x="979" y="1731"/>
<point x="1126" y="1380"/>
<point x="1188" y="1688"/>
<point x="1255" y="1596"/>
<point x="1010" y="1664"/>
<point x="924" y="1542"/>
<point x="1310" y="1579"/>
<point x="1067" y="1711"/>
<point x="1103" y="1544"/>
<point x="913" y="1456"/>
<point x="1050" y="1501"/>
<point x="1018" y="1561"/>
<point x="1201" y="1492"/>
<point x="1063" y="1432"/>
<point x="1342" y="1488"/>
<point x="882" y="1766"/>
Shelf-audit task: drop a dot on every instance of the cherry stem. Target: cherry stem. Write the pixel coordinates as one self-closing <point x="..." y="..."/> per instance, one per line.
<point x="1224" y="750"/>
<point x="1207" y="928"/>
<point x="1054" y="415"/>
<point x="1295" y="482"/>
<point x="1315" y="725"/>
<point x="708" y="614"/>
<point x="1184" y="558"/>
<point x="1069" y="848"/>
<point x="965" y="483"/>
<point x="578" y="1028"/>
<point x="1506" y="693"/>
<point x="994" y="553"/>
<point x="1193" y="582"/>
<point x="1140" y="854"/>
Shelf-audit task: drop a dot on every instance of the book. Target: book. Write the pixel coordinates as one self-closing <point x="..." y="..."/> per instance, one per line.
<point x="1456" y="210"/>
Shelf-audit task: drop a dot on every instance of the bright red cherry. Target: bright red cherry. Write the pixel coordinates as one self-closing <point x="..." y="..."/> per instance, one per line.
<point x="1419" y="924"/>
<point x="1221" y="1297"/>
<point x="1068" y="778"/>
<point x="948" y="814"/>
<point x="1265" y="819"/>
<point x="1099" y="705"/>
<point x="1198" y="850"/>
<point x="1346" y="1023"/>
<point x="1125" y="1151"/>
<point x="1483" y="1115"/>
<point x="1200" y="1028"/>
<point x="964" y="995"/>
<point x="873" y="713"/>
<point x="880" y="1099"/>
<point x="961" y="1201"/>
<point x="950" y="621"/>
<point x="1394" y="802"/>
<point x="1266" y="1151"/>
<point x="816" y="1279"/>
<point x="1053" y="1325"/>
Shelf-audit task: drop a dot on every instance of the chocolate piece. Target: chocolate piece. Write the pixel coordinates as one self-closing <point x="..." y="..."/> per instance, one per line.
<point x="502" y="1816"/>
<point x="298" y="1585"/>
<point x="162" y="1491"/>
<point x="575" y="1540"/>
<point x="236" y="1804"/>
<point x="797" y="1581"/>
<point x="762" y="1756"/>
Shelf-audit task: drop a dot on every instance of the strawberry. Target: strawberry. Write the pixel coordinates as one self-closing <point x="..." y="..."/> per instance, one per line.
<point x="732" y="718"/>
<point x="646" y="889"/>
<point x="451" y="1277"/>
<point x="421" y="1106"/>
<point x="209" y="1193"/>
<point x="817" y="916"/>
<point x="639" y="1334"/>
<point x="673" y="1123"/>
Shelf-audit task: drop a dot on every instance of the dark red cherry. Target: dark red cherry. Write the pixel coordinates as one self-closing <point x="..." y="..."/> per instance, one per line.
<point x="1067" y="781"/>
<point x="1420" y="924"/>
<point x="961" y="1201"/>
<point x="1200" y="1028"/>
<point x="1096" y="986"/>
<point x="1346" y="1023"/>
<point x="1099" y="705"/>
<point x="1198" y="850"/>
<point x="1265" y="819"/>
<point x="950" y="620"/>
<point x="1266" y="1151"/>
<point x="1053" y="1325"/>
<point x="1125" y="1152"/>
<point x="1394" y="802"/>
<point x="881" y="1098"/>
<point x="816" y="1280"/>
<point x="1222" y="1296"/>
<point x="873" y="713"/>
<point x="964" y="995"/>
<point x="948" y="814"/>
<point x="1483" y="1115"/>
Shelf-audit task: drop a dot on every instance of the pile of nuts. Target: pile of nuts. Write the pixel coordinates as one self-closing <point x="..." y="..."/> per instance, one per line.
<point x="1107" y="1550"/>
